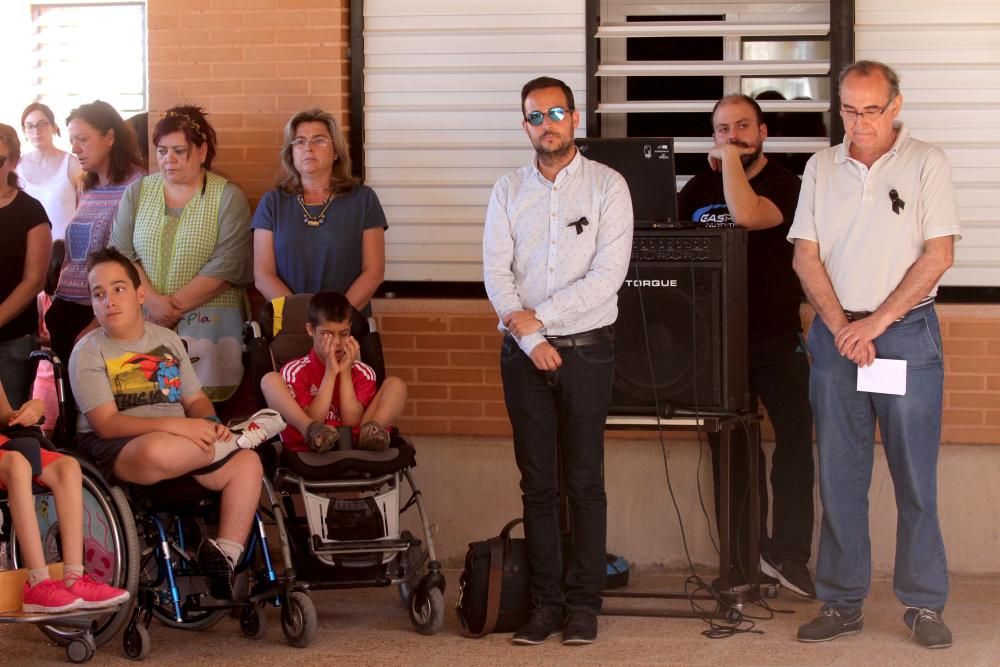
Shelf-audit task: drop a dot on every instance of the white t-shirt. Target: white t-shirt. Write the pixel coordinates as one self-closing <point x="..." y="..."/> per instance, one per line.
<point x="846" y="208"/>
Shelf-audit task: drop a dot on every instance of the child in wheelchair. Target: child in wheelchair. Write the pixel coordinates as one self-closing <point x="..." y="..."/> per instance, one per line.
<point x="331" y="387"/>
<point x="23" y="461"/>
<point x="143" y="417"/>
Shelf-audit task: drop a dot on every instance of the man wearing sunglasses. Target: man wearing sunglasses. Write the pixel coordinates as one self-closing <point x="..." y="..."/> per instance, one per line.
<point x="743" y="188"/>
<point x="556" y="249"/>
<point x="874" y="232"/>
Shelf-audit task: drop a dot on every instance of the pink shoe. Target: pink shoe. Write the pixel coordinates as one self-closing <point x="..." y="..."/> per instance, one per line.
<point x="96" y="595"/>
<point x="49" y="597"/>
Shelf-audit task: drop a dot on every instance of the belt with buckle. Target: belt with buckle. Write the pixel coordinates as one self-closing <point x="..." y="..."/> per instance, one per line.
<point x="855" y="315"/>
<point x="583" y="339"/>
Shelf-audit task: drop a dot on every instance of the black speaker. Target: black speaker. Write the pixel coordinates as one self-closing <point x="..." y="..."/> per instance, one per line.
<point x="681" y="334"/>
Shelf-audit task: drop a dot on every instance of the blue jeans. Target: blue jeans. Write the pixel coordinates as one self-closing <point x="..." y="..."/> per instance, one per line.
<point x="17" y="372"/>
<point x="560" y="415"/>
<point x="911" y="434"/>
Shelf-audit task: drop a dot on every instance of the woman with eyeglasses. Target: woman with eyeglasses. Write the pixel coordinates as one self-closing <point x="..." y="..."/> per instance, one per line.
<point x="106" y="149"/>
<point x="319" y="230"/>
<point x="188" y="230"/>
<point x="24" y="255"/>
<point x="50" y="174"/>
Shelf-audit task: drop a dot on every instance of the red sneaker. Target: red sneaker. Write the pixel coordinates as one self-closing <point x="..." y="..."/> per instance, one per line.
<point x="49" y="597"/>
<point x="95" y="594"/>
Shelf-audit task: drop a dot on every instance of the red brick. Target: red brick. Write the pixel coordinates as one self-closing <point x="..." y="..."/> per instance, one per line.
<point x="993" y="417"/>
<point x="973" y="435"/>
<point x="278" y="86"/>
<point x="212" y="87"/>
<point x="962" y="417"/>
<point x="972" y="365"/>
<point x="973" y="400"/>
<point x="331" y="17"/>
<point x="954" y="382"/>
<point x="174" y="71"/>
<point x="492" y="376"/>
<point x="306" y="4"/>
<point x="415" y="425"/>
<point x="244" y="37"/>
<point x="974" y="329"/>
<point x="245" y="103"/>
<point x="407" y="375"/>
<point x="484" y="393"/>
<point x="244" y="5"/>
<point x="449" y="375"/>
<point x="478" y="359"/>
<point x="155" y="22"/>
<point x="495" y="409"/>
<point x="295" y="103"/>
<point x="993" y="348"/>
<point x="419" y="324"/>
<point x="397" y="341"/>
<point x="275" y="19"/>
<point x="993" y="382"/>
<point x="229" y="154"/>
<point x="329" y="86"/>
<point x="212" y="20"/>
<point x="965" y="348"/>
<point x="272" y="54"/>
<point x="184" y="38"/>
<point x="243" y="71"/>
<point x="449" y="342"/>
<point x="312" y="34"/>
<point x="424" y="391"/>
<point x="449" y="408"/>
<point x="419" y="358"/>
<point x="486" y="325"/>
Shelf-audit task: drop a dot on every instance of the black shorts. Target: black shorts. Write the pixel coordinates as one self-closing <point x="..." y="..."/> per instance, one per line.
<point x="104" y="452"/>
<point x="101" y="452"/>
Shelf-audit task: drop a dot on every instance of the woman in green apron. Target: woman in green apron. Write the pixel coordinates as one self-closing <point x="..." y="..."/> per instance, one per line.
<point x="188" y="229"/>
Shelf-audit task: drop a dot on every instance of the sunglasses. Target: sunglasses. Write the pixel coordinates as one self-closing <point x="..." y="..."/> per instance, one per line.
<point x="555" y="114"/>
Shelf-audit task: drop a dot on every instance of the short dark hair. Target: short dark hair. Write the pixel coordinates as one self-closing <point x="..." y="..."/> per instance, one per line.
<point x="112" y="255"/>
<point x="329" y="307"/>
<point x="547" y="82"/>
<point x="739" y="97"/>
<point x="867" y="68"/>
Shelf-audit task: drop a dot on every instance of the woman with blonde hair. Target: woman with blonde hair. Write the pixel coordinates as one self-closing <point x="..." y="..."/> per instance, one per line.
<point x="319" y="230"/>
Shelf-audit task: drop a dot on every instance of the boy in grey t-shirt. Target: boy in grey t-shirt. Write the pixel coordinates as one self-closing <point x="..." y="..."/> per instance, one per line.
<point x="144" y="418"/>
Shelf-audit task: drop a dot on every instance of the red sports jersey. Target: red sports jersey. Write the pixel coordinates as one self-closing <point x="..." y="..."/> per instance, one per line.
<point x="303" y="377"/>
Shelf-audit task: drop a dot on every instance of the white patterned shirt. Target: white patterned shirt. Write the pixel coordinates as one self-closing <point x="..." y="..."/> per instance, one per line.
<point x="535" y="257"/>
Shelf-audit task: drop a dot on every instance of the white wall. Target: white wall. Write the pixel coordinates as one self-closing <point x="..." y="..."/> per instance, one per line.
<point x="442" y="116"/>
<point x="948" y="56"/>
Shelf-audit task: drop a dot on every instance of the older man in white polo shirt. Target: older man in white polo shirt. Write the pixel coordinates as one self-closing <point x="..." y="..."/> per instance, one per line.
<point x="874" y="232"/>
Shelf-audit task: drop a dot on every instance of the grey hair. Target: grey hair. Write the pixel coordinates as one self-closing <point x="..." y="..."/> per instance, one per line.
<point x="867" y="68"/>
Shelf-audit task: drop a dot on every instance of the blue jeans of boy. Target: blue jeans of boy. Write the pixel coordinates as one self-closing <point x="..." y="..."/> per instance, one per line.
<point x="910" y="425"/>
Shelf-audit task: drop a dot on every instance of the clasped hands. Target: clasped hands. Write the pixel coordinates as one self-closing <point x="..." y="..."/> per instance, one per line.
<point x="163" y="309"/>
<point x="523" y="322"/>
<point x="856" y="340"/>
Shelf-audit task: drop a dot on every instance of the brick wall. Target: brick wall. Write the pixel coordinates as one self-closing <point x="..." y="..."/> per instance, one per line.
<point x="448" y="352"/>
<point x="251" y="64"/>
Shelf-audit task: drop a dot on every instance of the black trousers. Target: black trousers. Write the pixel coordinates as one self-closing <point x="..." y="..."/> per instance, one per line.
<point x="779" y="377"/>
<point x="561" y="415"/>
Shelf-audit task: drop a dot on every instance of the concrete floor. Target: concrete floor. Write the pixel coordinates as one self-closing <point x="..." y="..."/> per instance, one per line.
<point x="368" y="627"/>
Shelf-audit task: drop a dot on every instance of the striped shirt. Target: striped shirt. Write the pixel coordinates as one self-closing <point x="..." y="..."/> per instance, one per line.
<point x="304" y="376"/>
<point x="89" y="231"/>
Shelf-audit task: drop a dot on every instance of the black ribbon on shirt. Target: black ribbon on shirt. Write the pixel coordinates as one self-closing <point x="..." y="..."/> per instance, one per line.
<point x="579" y="224"/>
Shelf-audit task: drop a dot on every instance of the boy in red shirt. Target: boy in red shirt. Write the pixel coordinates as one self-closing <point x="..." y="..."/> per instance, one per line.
<point x="331" y="386"/>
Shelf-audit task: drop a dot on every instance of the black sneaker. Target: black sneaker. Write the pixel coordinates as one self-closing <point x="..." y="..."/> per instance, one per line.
<point x="581" y="628"/>
<point x="216" y="568"/>
<point x="830" y="624"/>
<point x="792" y="574"/>
<point x="926" y="625"/>
<point x="543" y="624"/>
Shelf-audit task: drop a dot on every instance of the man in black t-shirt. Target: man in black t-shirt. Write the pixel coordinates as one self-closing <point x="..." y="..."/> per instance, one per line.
<point x="743" y="188"/>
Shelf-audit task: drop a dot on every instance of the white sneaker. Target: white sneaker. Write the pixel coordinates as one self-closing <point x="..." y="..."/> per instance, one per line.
<point x="258" y="428"/>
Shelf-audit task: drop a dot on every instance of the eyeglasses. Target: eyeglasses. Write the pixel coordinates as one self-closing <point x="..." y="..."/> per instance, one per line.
<point x="868" y="114"/>
<point x="555" y="114"/>
<point x="40" y="125"/>
<point x="315" y="142"/>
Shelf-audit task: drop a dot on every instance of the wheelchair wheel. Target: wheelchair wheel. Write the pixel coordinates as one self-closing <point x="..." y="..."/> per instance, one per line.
<point x="136" y="642"/>
<point x="299" y="621"/>
<point x="81" y="649"/>
<point x="111" y="549"/>
<point x="427" y="610"/>
<point x="253" y="621"/>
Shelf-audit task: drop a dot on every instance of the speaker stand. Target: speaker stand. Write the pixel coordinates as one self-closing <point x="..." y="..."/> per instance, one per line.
<point x="732" y="600"/>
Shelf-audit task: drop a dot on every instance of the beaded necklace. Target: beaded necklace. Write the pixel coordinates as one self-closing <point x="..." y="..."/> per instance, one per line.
<point x="315" y="220"/>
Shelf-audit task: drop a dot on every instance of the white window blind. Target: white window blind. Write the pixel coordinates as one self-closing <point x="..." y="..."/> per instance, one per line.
<point x="442" y="84"/>
<point x="948" y="57"/>
<point x="88" y="51"/>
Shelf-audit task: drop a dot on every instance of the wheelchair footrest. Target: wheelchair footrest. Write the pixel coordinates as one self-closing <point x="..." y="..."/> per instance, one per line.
<point x="357" y="547"/>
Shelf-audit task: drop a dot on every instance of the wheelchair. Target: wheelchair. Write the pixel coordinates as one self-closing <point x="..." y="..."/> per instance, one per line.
<point x="341" y="508"/>
<point x="166" y="522"/>
<point x="111" y="554"/>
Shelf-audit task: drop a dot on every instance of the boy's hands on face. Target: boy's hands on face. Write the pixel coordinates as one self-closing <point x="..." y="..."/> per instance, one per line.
<point x="329" y="348"/>
<point x="351" y="353"/>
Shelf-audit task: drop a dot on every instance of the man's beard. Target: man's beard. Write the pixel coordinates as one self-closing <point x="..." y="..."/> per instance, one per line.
<point x="557" y="153"/>
<point x="748" y="160"/>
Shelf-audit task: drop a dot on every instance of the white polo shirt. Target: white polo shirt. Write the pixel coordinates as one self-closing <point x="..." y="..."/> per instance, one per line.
<point x="845" y="207"/>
